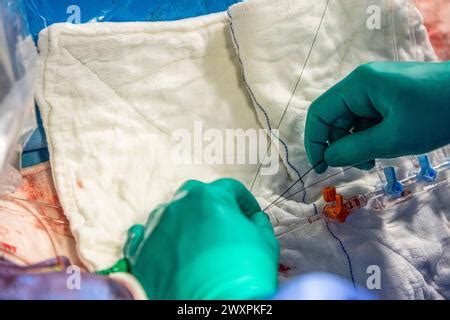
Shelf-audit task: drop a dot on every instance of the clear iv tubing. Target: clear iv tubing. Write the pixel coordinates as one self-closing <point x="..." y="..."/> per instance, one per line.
<point x="59" y="262"/>
<point x="23" y="260"/>
<point x="379" y="194"/>
<point x="352" y="203"/>
<point x="363" y="199"/>
<point x="301" y="222"/>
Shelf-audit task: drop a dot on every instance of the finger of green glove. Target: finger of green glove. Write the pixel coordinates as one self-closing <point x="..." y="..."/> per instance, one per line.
<point x="189" y="185"/>
<point x="328" y="117"/>
<point x="244" y="198"/>
<point x="358" y="148"/>
<point x="261" y="220"/>
<point x="134" y="239"/>
<point x="349" y="99"/>
<point x="337" y="134"/>
<point x="341" y="127"/>
<point x="369" y="165"/>
<point x="361" y="125"/>
<point x="317" y="134"/>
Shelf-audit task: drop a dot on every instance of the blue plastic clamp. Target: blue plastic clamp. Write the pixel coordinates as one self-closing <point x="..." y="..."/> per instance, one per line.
<point x="393" y="186"/>
<point x="426" y="173"/>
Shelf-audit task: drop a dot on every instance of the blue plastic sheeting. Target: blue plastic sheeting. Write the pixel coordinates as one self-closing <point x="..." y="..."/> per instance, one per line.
<point x="43" y="13"/>
<point x="36" y="149"/>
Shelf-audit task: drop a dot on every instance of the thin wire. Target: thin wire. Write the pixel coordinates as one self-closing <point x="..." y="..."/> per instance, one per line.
<point x="295" y="228"/>
<point x="39" y="203"/>
<point x="260" y="165"/>
<point x="292" y="185"/>
<point x="311" y="185"/>
<point x="59" y="261"/>
<point x="307" y="187"/>
<point x="12" y="211"/>
<point x="304" y="65"/>
<point x="46" y="228"/>
<point x="13" y="254"/>
<point x="293" y="91"/>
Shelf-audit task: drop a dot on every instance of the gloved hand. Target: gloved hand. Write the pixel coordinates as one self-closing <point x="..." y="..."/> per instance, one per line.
<point x="212" y="241"/>
<point x="381" y="110"/>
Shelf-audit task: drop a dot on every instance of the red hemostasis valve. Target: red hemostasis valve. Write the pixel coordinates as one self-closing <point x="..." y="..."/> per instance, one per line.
<point x="335" y="208"/>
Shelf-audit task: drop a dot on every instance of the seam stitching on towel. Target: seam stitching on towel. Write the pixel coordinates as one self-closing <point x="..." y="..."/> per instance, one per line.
<point x="285" y="146"/>
<point x="349" y="261"/>
<point x="300" y="177"/>
<point x="261" y="107"/>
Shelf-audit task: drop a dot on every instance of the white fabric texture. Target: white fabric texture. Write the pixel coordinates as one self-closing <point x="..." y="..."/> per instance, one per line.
<point x="289" y="56"/>
<point x="111" y="94"/>
<point x="295" y="50"/>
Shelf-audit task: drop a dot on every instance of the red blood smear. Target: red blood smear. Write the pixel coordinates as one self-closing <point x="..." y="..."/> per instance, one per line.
<point x="282" y="268"/>
<point x="8" y="247"/>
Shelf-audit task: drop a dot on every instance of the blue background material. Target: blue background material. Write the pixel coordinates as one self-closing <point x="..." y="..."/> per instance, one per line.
<point x="43" y="13"/>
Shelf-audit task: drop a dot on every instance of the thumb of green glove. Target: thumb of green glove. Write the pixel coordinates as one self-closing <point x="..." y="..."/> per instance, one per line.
<point x="211" y="242"/>
<point x="381" y="110"/>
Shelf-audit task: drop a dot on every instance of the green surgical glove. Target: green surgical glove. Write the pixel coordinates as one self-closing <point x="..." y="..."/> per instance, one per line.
<point x="381" y="110"/>
<point x="212" y="241"/>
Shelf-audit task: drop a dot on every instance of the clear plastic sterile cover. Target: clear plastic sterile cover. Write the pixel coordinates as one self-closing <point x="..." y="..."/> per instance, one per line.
<point x="18" y="57"/>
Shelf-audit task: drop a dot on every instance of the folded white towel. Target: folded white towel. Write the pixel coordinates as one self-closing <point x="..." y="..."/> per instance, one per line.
<point x="112" y="95"/>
